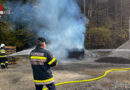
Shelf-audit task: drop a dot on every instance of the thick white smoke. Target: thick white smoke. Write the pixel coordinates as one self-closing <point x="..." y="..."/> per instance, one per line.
<point x="59" y="21"/>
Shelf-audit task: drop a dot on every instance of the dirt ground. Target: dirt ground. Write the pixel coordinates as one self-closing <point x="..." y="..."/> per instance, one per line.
<point x="19" y="76"/>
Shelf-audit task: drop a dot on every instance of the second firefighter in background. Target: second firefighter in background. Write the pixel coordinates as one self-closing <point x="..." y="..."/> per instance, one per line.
<point x="42" y="60"/>
<point x="3" y="57"/>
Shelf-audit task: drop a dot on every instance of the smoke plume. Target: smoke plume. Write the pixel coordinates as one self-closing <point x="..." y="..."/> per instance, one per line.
<point x="59" y="21"/>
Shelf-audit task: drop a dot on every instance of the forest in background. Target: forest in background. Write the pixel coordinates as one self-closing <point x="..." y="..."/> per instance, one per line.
<point x="108" y="25"/>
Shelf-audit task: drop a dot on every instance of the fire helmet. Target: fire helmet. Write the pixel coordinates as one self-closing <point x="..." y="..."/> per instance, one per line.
<point x="2" y="45"/>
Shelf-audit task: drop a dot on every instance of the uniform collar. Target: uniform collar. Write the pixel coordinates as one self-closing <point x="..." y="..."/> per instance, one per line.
<point x="39" y="47"/>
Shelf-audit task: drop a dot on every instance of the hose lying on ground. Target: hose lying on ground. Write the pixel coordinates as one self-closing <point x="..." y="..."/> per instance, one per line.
<point x="104" y="75"/>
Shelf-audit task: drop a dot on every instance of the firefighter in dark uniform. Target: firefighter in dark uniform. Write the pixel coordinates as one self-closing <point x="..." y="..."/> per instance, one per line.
<point x="42" y="60"/>
<point x="3" y="57"/>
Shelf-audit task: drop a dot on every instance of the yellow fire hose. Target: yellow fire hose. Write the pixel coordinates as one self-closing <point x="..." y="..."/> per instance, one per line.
<point x="104" y="75"/>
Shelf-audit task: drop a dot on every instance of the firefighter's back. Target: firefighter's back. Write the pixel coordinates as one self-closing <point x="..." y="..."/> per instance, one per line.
<point x="41" y="69"/>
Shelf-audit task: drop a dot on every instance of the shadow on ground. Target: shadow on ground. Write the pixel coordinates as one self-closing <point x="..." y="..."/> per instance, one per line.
<point x="115" y="60"/>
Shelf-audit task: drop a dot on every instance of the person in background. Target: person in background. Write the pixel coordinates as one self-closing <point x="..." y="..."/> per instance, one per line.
<point x="3" y="57"/>
<point x="41" y="61"/>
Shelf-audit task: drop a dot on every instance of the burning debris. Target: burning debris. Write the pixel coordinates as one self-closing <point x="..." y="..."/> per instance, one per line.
<point x="76" y="53"/>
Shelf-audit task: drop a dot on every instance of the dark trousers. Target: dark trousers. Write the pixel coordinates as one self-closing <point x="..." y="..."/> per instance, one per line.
<point x="49" y="86"/>
<point x="3" y="62"/>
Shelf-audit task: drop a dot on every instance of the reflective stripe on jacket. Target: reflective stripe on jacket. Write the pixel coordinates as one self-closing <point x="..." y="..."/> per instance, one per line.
<point x="41" y="61"/>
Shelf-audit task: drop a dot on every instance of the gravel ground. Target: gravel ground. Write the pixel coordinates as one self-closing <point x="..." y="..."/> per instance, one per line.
<point x="19" y="76"/>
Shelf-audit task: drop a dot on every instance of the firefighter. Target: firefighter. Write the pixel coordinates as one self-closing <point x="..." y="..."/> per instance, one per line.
<point x="3" y="57"/>
<point x="41" y="61"/>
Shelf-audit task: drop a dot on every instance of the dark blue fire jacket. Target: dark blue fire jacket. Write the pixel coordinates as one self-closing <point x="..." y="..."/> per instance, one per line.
<point x="41" y="61"/>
